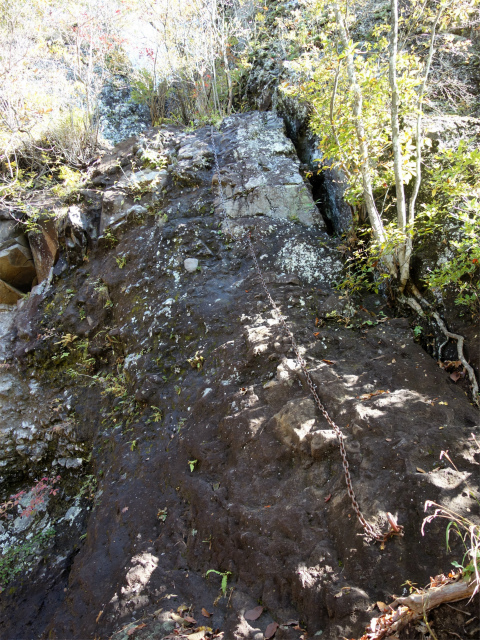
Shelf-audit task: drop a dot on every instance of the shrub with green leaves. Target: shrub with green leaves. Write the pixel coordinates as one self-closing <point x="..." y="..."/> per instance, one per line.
<point x="17" y="558"/>
<point x="453" y="214"/>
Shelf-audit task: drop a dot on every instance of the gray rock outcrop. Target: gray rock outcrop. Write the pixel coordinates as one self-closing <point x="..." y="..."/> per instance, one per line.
<point x="260" y="171"/>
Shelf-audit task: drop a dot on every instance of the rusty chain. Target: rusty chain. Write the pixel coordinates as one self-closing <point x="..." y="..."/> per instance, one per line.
<point x="371" y="532"/>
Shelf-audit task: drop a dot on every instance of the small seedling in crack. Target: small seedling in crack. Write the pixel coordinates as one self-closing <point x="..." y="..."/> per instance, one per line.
<point x="162" y="514"/>
<point x="157" y="414"/>
<point x="191" y="464"/>
<point x="208" y="541"/>
<point x="223" y="586"/>
<point x="197" y="361"/>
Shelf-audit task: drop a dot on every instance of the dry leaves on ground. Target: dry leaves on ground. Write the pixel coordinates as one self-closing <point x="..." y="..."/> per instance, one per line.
<point x="254" y="614"/>
<point x="367" y="396"/>
<point x="271" y="630"/>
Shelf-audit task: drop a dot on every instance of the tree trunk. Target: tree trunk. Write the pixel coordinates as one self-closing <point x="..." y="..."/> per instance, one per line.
<point x="418" y="152"/>
<point x="374" y="217"/>
<point x="403" y="253"/>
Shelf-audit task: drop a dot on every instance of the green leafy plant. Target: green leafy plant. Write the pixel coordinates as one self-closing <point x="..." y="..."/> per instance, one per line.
<point x="156" y="415"/>
<point x="224" y="575"/>
<point x="454" y="216"/>
<point x="192" y="464"/>
<point x="88" y="488"/>
<point x="121" y="261"/>
<point x="72" y="182"/>
<point x="18" y="558"/>
<point x="109" y="238"/>
<point x="197" y="361"/>
<point x="162" y="514"/>
<point x="417" y="331"/>
<point x="469" y="534"/>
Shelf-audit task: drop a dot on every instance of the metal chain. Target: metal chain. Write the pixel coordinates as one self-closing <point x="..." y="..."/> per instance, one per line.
<point x="370" y="531"/>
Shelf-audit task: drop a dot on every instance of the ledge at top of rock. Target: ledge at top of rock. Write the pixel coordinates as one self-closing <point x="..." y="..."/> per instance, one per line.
<point x="259" y="170"/>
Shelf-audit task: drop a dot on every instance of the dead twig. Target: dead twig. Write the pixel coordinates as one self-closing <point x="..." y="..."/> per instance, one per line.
<point x="406" y="610"/>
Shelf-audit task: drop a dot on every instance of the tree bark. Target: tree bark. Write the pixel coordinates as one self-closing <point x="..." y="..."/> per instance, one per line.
<point x="374" y="217"/>
<point x="403" y="253"/>
<point x="418" y="150"/>
<point x="404" y="611"/>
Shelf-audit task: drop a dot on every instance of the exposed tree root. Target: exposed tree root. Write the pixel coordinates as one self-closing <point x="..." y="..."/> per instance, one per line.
<point x="415" y="305"/>
<point x="414" y="607"/>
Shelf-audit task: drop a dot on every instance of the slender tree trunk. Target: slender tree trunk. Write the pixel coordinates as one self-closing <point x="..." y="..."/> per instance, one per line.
<point x="418" y="151"/>
<point x="374" y="217"/>
<point x="224" y="46"/>
<point x="229" y="81"/>
<point x="403" y="260"/>
<point x="332" y="122"/>
<point x="408" y="250"/>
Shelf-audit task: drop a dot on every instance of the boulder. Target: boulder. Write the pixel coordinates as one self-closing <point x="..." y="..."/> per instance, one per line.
<point x="113" y="208"/>
<point x="8" y="294"/>
<point x="44" y="247"/>
<point x="142" y="179"/>
<point x="295" y="421"/>
<point x="259" y="171"/>
<point x="118" y="208"/>
<point x="190" y="264"/>
<point x="16" y="263"/>
<point x="75" y="227"/>
<point x="9" y="229"/>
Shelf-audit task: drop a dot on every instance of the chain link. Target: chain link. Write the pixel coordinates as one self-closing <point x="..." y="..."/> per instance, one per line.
<point x="371" y="532"/>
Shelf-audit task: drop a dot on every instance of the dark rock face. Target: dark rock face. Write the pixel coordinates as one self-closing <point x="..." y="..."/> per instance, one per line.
<point x="207" y="448"/>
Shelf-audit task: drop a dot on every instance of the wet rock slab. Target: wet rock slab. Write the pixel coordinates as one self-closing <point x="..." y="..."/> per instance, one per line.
<point x="193" y="370"/>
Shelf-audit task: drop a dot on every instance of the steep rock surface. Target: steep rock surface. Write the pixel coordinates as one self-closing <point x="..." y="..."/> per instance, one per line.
<point x="201" y="447"/>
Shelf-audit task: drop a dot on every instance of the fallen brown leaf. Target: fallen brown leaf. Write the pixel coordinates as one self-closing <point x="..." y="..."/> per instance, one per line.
<point x="420" y="470"/>
<point x="367" y="396"/>
<point x="328" y="497"/>
<point x="254" y="614"/>
<point x="330" y="362"/>
<point x="197" y="635"/>
<point x="99" y="616"/>
<point x="271" y="630"/>
<point x="190" y="620"/>
<point x="205" y="613"/>
<point x="176" y="617"/>
<point x="456" y="375"/>
<point x="131" y="631"/>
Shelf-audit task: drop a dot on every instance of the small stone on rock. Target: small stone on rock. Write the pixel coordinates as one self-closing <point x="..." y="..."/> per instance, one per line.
<point x="190" y="264"/>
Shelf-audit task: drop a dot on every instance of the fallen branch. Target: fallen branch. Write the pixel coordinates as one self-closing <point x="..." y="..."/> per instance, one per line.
<point x="415" y="305"/>
<point x="404" y="611"/>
